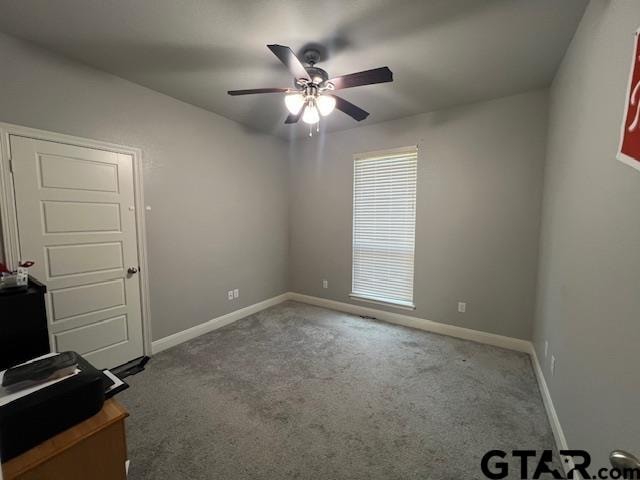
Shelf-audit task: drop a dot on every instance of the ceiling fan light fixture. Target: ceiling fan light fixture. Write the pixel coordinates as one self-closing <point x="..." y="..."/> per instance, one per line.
<point x="325" y="104"/>
<point x="294" y="102"/>
<point x="310" y="114"/>
<point x="312" y="95"/>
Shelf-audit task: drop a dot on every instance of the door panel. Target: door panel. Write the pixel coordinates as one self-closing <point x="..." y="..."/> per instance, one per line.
<point x="74" y="301"/>
<point x="76" y="220"/>
<point x="77" y="217"/>
<point x="77" y="173"/>
<point x="83" y="258"/>
<point x="94" y="340"/>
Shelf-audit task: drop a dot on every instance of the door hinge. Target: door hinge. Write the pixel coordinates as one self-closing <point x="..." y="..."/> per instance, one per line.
<point x="10" y="165"/>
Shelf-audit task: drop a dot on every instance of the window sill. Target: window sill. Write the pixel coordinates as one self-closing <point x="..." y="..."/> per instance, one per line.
<point x="380" y="301"/>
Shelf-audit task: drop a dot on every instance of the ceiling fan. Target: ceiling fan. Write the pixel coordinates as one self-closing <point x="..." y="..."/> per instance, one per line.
<point x="312" y="95"/>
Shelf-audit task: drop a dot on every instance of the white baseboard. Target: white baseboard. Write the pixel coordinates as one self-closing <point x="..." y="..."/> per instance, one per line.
<point x="213" y="324"/>
<point x="419" y="323"/>
<point x="391" y="317"/>
<point x="458" y="332"/>
<point x="556" y="427"/>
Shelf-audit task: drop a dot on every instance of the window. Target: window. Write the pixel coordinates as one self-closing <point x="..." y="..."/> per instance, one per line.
<point x="384" y="219"/>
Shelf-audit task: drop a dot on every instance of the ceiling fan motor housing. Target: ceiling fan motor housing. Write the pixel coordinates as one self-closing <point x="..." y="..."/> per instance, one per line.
<point x="312" y="56"/>
<point x="318" y="77"/>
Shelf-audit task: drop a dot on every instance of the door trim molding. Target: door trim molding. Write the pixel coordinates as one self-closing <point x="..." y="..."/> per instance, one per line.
<point x="8" y="217"/>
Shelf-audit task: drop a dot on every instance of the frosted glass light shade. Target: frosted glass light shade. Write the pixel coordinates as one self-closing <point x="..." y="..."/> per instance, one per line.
<point x="310" y="115"/>
<point x="325" y="104"/>
<point x="294" y="102"/>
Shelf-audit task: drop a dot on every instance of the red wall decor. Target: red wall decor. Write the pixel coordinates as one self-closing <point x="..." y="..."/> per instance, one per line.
<point x="629" y="151"/>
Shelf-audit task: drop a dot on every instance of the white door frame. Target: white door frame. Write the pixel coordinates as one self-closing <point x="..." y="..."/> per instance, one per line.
<point x="8" y="217"/>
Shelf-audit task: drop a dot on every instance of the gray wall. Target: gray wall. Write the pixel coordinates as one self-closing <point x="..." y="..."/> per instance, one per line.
<point x="479" y="196"/>
<point x="589" y="286"/>
<point x="218" y="193"/>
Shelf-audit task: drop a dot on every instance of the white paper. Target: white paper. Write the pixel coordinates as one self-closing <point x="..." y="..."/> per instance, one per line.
<point x="116" y="381"/>
<point x="6" y="397"/>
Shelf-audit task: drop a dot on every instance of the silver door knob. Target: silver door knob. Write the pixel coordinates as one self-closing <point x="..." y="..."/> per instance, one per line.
<point x="132" y="270"/>
<point x="624" y="461"/>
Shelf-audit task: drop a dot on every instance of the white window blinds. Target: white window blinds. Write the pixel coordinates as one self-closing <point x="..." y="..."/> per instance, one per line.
<point x="384" y="218"/>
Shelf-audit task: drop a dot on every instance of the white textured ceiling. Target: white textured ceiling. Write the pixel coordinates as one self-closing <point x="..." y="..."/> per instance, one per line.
<point x="442" y="52"/>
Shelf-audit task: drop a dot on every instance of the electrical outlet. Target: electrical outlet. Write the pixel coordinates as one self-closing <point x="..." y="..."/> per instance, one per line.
<point x="546" y="348"/>
<point x="325" y="283"/>
<point x="553" y="365"/>
<point x="236" y="293"/>
<point x="230" y="295"/>
<point x="462" y="307"/>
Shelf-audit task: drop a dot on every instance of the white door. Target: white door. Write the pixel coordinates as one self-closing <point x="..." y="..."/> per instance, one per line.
<point x="76" y="220"/>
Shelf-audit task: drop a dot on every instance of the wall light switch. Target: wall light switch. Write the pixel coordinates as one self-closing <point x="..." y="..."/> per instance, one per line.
<point x="236" y="293"/>
<point x="325" y="283"/>
<point x="462" y="307"/>
<point x="230" y="295"/>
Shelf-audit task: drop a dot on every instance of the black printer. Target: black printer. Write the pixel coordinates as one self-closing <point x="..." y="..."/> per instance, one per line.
<point x="27" y="421"/>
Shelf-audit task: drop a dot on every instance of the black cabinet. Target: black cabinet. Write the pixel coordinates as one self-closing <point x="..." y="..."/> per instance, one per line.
<point x="23" y="325"/>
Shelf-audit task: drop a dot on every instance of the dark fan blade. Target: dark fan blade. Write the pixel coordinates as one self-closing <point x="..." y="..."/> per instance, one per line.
<point x="286" y="56"/>
<point x="257" y="90"/>
<point x="368" y="77"/>
<point x="291" y="118"/>
<point x="350" y="109"/>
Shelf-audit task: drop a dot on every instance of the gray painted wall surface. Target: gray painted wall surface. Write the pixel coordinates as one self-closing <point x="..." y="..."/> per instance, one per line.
<point x="218" y="192"/>
<point x="226" y="197"/>
<point x="589" y="285"/>
<point x="480" y="171"/>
